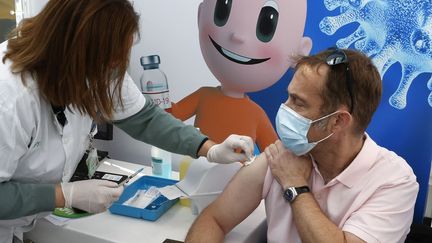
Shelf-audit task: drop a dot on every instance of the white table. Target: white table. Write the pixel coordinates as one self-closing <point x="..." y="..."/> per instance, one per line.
<point x="107" y="227"/>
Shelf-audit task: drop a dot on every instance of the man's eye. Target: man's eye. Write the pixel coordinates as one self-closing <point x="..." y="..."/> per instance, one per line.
<point x="299" y="104"/>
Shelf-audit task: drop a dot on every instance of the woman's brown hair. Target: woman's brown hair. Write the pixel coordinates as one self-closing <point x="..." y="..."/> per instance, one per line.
<point x="77" y="51"/>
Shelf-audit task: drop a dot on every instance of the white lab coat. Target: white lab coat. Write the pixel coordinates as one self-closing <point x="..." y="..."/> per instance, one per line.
<point x="54" y="152"/>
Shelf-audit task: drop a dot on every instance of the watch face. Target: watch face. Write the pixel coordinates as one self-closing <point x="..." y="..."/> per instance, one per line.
<point x="289" y="195"/>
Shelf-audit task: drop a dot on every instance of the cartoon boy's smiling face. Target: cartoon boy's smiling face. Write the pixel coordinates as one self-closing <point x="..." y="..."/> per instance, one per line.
<point x="249" y="44"/>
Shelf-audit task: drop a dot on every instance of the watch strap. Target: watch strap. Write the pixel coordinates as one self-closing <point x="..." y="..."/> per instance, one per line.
<point x="302" y="189"/>
<point x="291" y="193"/>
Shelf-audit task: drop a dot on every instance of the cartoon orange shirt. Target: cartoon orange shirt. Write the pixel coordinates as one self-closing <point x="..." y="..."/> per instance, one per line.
<point x="219" y="116"/>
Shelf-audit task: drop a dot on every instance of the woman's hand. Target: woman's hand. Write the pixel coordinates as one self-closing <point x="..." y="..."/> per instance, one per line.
<point x="228" y="151"/>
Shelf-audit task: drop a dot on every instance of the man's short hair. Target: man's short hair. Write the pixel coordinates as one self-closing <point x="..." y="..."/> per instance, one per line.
<point x="365" y="81"/>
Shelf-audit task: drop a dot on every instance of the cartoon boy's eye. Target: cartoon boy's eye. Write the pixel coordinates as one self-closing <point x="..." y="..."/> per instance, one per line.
<point x="222" y="12"/>
<point x="267" y="21"/>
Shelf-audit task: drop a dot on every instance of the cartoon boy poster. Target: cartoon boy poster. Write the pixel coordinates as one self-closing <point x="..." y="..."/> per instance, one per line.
<point x="248" y="45"/>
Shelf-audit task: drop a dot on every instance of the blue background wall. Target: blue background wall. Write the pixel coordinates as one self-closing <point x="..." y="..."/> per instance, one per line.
<point x="403" y="128"/>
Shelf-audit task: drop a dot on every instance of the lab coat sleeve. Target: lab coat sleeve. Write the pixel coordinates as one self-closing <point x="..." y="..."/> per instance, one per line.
<point x="132" y="101"/>
<point x="155" y="126"/>
<point x="19" y="199"/>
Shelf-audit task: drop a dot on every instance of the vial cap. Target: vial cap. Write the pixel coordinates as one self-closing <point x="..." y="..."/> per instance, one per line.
<point x="152" y="61"/>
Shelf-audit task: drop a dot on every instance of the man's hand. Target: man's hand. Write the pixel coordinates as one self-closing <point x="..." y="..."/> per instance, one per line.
<point x="287" y="168"/>
<point x="226" y="152"/>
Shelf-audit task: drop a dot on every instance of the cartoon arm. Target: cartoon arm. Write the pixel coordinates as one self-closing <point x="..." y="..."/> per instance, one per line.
<point x="187" y="107"/>
<point x="266" y="134"/>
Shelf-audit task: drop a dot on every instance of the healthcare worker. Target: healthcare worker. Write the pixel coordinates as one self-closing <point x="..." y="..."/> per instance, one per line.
<point x="59" y="71"/>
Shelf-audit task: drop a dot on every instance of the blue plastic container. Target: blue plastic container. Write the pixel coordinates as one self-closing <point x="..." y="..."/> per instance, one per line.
<point x="153" y="211"/>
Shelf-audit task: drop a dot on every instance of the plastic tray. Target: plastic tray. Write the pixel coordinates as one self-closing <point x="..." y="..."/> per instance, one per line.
<point x="153" y="211"/>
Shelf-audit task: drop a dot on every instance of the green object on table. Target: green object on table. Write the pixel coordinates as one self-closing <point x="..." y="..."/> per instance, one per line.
<point x="70" y="213"/>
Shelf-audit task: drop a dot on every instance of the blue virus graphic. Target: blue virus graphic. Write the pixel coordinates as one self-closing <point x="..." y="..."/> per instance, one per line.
<point x="389" y="31"/>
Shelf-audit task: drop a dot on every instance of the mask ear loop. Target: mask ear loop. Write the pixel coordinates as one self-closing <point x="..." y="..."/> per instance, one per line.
<point x="322" y="118"/>
<point x="323" y="138"/>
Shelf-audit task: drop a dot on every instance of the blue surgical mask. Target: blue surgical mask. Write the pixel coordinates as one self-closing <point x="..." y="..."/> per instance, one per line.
<point x="293" y="128"/>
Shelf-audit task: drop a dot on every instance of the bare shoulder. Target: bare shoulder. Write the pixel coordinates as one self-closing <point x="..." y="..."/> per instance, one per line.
<point x="252" y="175"/>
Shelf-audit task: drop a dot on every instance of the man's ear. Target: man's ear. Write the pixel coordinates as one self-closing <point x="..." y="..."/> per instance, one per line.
<point x="343" y="119"/>
<point x="305" y="46"/>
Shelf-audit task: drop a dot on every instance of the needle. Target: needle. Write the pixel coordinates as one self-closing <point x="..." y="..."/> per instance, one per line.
<point x="247" y="163"/>
<point x="130" y="177"/>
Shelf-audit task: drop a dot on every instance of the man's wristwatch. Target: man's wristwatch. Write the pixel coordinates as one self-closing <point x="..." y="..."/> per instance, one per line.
<point x="291" y="193"/>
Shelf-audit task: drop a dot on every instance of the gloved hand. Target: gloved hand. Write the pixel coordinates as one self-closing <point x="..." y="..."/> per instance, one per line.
<point x="93" y="196"/>
<point x="225" y="152"/>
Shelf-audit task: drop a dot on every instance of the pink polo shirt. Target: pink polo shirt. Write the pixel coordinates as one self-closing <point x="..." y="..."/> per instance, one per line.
<point x="373" y="198"/>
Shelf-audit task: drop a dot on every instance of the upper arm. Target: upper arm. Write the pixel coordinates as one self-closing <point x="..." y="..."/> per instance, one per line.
<point x="241" y="197"/>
